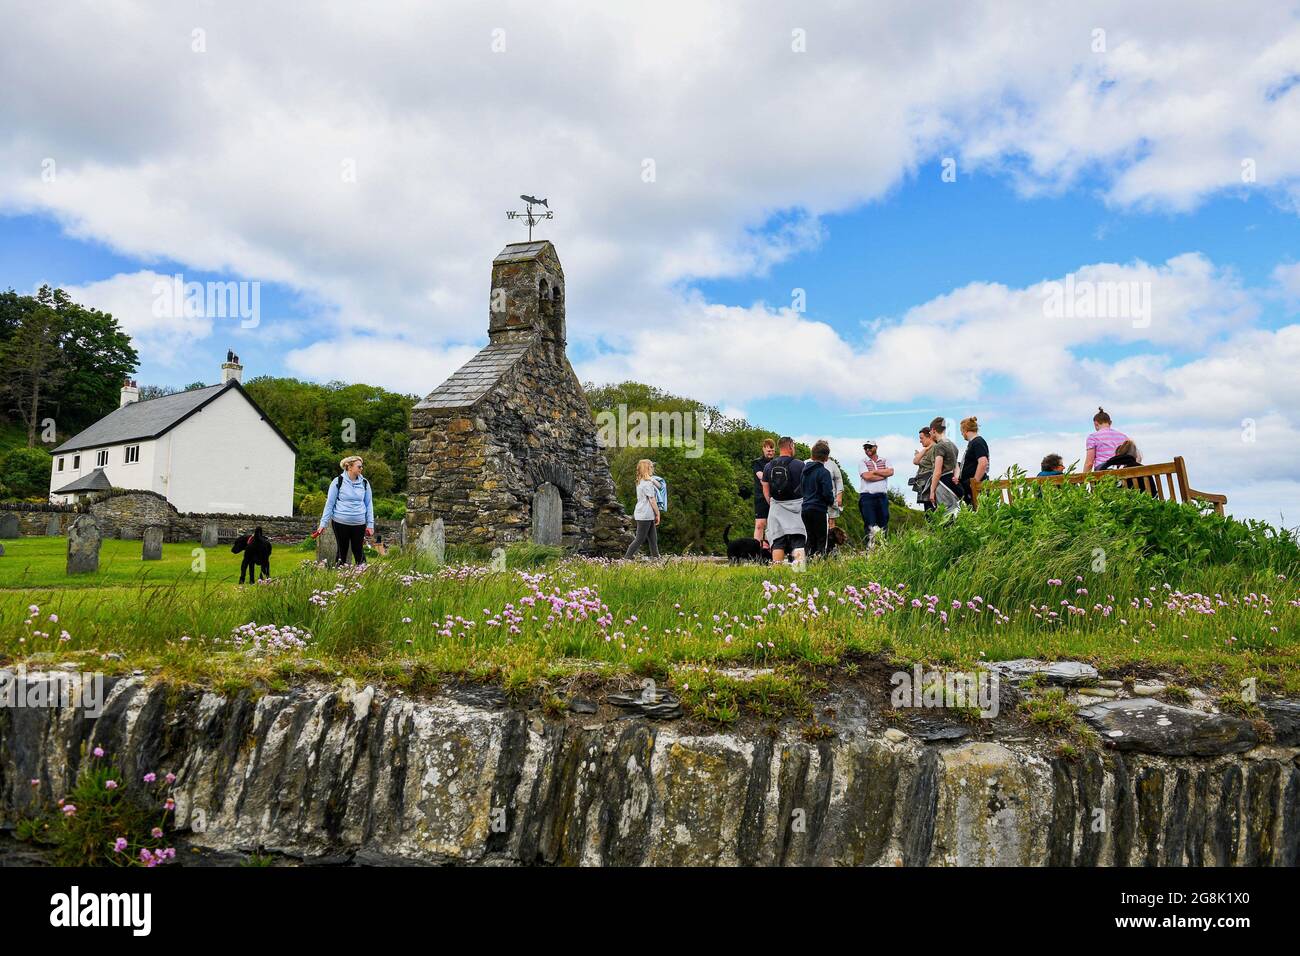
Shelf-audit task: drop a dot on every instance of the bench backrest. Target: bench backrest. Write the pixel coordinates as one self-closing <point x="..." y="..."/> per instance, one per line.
<point x="1168" y="479"/>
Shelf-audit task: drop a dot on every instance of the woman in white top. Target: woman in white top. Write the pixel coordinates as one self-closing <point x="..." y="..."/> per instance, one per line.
<point x="646" y="512"/>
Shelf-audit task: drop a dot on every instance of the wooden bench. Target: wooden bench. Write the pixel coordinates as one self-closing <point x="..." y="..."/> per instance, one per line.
<point x="1169" y="480"/>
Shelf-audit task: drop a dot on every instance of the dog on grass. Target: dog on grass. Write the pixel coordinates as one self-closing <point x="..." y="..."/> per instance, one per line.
<point x="256" y="548"/>
<point x="746" y="549"/>
<point x="835" y="538"/>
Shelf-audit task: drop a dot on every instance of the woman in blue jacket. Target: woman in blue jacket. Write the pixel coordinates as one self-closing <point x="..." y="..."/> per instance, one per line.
<point x="350" y="511"/>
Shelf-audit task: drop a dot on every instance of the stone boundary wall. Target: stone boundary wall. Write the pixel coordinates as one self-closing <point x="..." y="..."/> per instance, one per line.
<point x="125" y="514"/>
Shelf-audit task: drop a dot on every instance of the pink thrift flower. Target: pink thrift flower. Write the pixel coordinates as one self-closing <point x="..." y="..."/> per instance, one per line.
<point x="119" y="845"/>
<point x="150" y="777"/>
<point x="110" y="785"/>
<point x="98" y="751"/>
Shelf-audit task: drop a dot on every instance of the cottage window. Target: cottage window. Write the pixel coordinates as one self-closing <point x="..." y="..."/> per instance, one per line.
<point x="132" y="454"/>
<point x="76" y="462"/>
<point x="60" y="464"/>
<point x="101" y="458"/>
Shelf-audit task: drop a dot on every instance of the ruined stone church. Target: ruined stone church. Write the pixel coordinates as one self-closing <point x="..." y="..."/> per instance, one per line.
<point x="505" y="449"/>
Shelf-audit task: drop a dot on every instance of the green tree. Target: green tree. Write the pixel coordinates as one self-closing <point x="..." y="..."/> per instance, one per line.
<point x="379" y="475"/>
<point x="26" y="472"/>
<point x="61" y="360"/>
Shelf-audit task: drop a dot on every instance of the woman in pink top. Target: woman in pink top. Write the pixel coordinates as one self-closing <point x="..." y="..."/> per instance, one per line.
<point x="1102" y="442"/>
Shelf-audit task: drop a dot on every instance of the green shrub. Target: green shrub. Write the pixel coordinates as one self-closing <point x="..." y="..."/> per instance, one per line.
<point x="27" y="472"/>
<point x="104" y="821"/>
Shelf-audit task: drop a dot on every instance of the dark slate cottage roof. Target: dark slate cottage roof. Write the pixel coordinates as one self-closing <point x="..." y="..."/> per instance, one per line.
<point x="95" y="481"/>
<point x="154" y="418"/>
<point x="473" y="380"/>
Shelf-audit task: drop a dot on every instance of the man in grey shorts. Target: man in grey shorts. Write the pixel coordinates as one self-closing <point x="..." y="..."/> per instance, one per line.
<point x="783" y="488"/>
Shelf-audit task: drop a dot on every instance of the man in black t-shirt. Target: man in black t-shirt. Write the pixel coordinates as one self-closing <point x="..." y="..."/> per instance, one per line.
<point x="783" y="488"/>
<point x="975" y="463"/>
<point x="760" y="500"/>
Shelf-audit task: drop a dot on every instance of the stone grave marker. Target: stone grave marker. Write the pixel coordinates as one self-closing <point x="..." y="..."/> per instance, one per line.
<point x="84" y="540"/>
<point x="327" y="546"/>
<point x="8" y="524"/>
<point x="153" y="542"/>
<point x="54" y="526"/>
<point x="208" y="538"/>
<point x="432" y="542"/>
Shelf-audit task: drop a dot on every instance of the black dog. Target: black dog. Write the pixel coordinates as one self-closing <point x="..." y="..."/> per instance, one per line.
<point x="746" y="549"/>
<point x="256" y="548"/>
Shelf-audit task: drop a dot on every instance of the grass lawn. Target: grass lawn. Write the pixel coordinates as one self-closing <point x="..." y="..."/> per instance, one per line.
<point x="1132" y="585"/>
<point x="38" y="563"/>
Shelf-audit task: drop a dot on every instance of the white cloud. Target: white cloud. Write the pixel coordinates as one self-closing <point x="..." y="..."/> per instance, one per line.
<point x="234" y="158"/>
<point x="159" y="331"/>
<point x="401" y="366"/>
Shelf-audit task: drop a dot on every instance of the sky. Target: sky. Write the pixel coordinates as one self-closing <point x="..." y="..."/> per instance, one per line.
<point x="838" y="220"/>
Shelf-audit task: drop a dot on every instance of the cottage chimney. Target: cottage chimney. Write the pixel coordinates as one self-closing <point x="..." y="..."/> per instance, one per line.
<point x="231" y="370"/>
<point x="130" y="393"/>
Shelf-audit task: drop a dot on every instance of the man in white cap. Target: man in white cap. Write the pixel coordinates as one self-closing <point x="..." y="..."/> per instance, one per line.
<point x="873" y="502"/>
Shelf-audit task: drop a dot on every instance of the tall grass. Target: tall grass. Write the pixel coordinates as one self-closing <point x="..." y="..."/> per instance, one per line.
<point x="1115" y="578"/>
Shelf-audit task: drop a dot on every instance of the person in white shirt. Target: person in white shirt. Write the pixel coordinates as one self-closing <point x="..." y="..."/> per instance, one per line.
<point x="872" y="500"/>
<point x="646" y="512"/>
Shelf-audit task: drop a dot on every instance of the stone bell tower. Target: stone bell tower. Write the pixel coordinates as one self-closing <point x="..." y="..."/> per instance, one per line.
<point x="527" y="297"/>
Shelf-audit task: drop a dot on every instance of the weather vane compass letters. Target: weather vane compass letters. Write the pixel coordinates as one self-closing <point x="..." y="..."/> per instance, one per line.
<point x="532" y="218"/>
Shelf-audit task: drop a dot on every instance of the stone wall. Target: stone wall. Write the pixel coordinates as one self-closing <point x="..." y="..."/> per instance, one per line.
<point x="125" y="514"/>
<point x="471" y="777"/>
<point x="478" y="468"/>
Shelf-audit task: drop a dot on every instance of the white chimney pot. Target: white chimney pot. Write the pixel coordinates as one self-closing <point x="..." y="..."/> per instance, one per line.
<point x="129" y="394"/>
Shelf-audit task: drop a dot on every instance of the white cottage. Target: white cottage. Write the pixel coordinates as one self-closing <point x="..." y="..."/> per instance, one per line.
<point x="210" y="450"/>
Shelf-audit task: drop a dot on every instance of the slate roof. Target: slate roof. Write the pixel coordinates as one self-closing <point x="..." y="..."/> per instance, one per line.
<point x="521" y="251"/>
<point x="154" y="418"/>
<point x="473" y="380"/>
<point x="95" y="481"/>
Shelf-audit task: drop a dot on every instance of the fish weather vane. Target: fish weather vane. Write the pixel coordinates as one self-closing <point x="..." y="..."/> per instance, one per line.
<point x="532" y="218"/>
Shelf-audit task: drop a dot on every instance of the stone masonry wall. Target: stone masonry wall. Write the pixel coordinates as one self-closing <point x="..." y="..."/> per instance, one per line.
<point x="477" y="469"/>
<point x="126" y="515"/>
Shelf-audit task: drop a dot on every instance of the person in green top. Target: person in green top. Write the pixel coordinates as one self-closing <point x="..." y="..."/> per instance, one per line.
<point x="940" y="459"/>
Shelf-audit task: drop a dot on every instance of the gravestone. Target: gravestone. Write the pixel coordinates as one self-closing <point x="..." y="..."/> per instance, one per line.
<point x="327" y="546"/>
<point x="2" y="550"/>
<point x="401" y="535"/>
<point x="153" y="542"/>
<point x="548" y="516"/>
<point x="208" y="538"/>
<point x="8" y="524"/>
<point x="432" y="542"/>
<point x="84" y="540"/>
<point x="54" y="526"/>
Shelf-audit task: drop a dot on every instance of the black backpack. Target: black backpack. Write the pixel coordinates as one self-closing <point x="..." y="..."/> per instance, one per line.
<point x="778" y="478"/>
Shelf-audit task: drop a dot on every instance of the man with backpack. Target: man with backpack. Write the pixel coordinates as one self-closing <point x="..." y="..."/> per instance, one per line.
<point x="783" y="489"/>
<point x="818" y="497"/>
